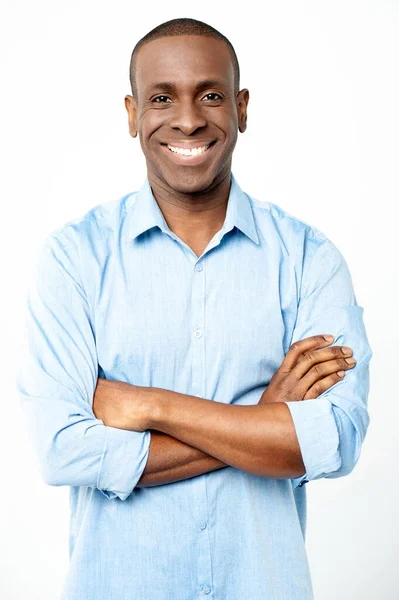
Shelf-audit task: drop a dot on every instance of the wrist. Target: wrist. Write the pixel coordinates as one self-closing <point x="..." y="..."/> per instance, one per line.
<point x="151" y="406"/>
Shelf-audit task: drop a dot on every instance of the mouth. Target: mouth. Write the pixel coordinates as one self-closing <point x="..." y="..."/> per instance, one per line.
<point x="194" y="154"/>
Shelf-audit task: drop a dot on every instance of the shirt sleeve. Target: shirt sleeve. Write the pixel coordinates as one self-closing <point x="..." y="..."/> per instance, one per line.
<point x="332" y="427"/>
<point x="56" y="378"/>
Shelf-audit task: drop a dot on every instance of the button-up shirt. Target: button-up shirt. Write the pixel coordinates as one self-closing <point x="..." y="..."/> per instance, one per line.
<point x="117" y="294"/>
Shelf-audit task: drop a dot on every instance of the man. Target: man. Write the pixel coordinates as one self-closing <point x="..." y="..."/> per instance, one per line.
<point x="177" y="376"/>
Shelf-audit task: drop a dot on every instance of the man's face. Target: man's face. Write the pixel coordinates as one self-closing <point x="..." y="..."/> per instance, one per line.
<point x="186" y="101"/>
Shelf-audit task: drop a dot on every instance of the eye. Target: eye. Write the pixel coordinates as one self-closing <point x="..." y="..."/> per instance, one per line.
<point x="219" y="97"/>
<point x="160" y="99"/>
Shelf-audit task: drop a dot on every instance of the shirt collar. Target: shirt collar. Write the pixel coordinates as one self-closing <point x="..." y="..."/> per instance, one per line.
<point x="147" y="214"/>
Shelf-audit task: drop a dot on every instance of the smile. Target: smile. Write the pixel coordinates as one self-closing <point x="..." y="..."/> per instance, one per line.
<point x="188" y="151"/>
<point x="193" y="156"/>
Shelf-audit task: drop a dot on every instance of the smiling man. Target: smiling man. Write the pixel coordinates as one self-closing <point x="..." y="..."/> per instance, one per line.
<point x="178" y="373"/>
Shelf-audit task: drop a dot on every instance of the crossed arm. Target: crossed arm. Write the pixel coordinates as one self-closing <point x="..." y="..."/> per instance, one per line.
<point x="194" y="436"/>
<point x="171" y="460"/>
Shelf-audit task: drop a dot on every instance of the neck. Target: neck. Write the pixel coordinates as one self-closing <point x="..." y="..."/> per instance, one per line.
<point x="193" y="215"/>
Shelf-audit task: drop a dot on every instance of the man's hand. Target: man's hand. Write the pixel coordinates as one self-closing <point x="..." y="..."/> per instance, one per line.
<point x="308" y="370"/>
<point x="121" y="405"/>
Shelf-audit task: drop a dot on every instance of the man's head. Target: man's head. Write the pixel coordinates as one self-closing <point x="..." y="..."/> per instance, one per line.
<point x="185" y="84"/>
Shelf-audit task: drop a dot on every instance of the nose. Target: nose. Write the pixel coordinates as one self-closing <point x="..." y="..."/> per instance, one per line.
<point x="188" y="117"/>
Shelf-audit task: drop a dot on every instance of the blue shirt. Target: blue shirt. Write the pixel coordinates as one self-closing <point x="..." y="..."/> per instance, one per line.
<point x="117" y="294"/>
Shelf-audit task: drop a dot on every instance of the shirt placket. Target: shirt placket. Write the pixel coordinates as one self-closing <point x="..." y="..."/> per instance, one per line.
<point x="198" y="331"/>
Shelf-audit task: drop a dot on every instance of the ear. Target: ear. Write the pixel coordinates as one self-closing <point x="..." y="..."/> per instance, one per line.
<point x="242" y="103"/>
<point x="131" y="107"/>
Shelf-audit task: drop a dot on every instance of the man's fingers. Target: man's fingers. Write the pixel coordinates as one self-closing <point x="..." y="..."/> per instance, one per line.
<point x="322" y="385"/>
<point x="320" y="355"/>
<point x="297" y="349"/>
<point x="321" y="371"/>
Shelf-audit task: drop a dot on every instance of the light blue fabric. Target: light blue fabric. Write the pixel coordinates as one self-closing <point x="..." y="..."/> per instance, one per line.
<point x="117" y="294"/>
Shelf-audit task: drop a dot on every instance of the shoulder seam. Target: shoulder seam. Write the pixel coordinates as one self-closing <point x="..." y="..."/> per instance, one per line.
<point x="76" y="267"/>
<point x="305" y="273"/>
<point x="270" y="205"/>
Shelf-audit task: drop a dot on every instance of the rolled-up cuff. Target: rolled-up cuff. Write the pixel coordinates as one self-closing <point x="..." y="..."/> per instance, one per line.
<point x="124" y="459"/>
<point x="318" y="438"/>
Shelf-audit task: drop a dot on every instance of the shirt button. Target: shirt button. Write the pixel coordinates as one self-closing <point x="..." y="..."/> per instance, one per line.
<point x="198" y="333"/>
<point x="206" y="589"/>
<point x="202" y="525"/>
<point x="198" y="267"/>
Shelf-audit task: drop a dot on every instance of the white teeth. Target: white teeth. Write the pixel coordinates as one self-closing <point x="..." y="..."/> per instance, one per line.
<point x="188" y="151"/>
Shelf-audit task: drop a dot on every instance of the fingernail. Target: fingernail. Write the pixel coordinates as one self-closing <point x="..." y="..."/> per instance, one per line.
<point x="328" y="338"/>
<point x="350" y="361"/>
<point x="341" y="373"/>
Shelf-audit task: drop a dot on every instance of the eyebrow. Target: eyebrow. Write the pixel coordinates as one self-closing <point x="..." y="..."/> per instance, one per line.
<point x="170" y="86"/>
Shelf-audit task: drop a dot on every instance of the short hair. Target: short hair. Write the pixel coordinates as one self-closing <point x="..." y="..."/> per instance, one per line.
<point x="183" y="26"/>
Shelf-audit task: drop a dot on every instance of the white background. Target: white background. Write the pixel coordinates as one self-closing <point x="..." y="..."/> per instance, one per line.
<point x="322" y="142"/>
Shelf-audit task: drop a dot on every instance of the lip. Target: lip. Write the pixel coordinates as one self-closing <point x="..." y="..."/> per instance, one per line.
<point x="181" y="159"/>
<point x="190" y="145"/>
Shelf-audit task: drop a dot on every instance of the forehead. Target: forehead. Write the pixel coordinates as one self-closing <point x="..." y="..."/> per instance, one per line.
<point x="184" y="59"/>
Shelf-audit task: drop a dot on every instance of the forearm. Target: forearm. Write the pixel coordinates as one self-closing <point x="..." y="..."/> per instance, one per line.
<point x="259" y="439"/>
<point x="172" y="460"/>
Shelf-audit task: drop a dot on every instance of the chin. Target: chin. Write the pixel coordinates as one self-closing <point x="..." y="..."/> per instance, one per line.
<point x="190" y="183"/>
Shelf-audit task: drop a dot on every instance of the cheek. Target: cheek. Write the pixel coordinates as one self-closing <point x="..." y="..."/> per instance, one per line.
<point x="150" y="126"/>
<point x="231" y="132"/>
<point x="228" y="124"/>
